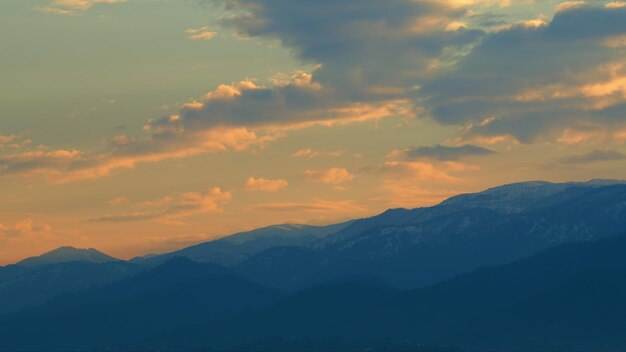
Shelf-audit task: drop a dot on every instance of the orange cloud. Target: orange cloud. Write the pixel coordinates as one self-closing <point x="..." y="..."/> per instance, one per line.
<point x="25" y="228"/>
<point x="72" y="7"/>
<point x="408" y="193"/>
<point x="6" y="139"/>
<point x="233" y="117"/>
<point x="175" y="206"/>
<point x="568" y="5"/>
<point x="615" y="4"/>
<point x="316" y="206"/>
<point x="593" y="134"/>
<point x="312" y="153"/>
<point x="119" y="200"/>
<point x="265" y="185"/>
<point x="331" y="176"/>
<point x="123" y="152"/>
<point x="202" y="33"/>
<point x="421" y="171"/>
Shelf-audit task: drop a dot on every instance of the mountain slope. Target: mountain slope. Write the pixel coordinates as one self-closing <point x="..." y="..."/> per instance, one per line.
<point x="68" y="254"/>
<point x="177" y="293"/>
<point x="572" y="293"/>
<point x="238" y="247"/>
<point x="418" y="247"/>
<point x="24" y="286"/>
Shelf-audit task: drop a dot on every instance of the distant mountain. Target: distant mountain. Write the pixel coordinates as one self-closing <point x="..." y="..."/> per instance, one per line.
<point x="567" y="297"/>
<point x="236" y="248"/>
<point x="528" y="266"/>
<point x="24" y="286"/>
<point x="68" y="254"/>
<point x="524" y="196"/>
<point x="177" y="293"/>
<point x="418" y="247"/>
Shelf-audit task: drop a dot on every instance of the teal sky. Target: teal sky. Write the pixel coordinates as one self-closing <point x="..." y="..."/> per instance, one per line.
<point x="110" y="137"/>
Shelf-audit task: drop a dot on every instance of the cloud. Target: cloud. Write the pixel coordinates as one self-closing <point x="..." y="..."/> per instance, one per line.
<point x="368" y="50"/>
<point x="231" y="118"/>
<point x="265" y="185"/>
<point x="615" y="4"/>
<point x="312" y="153"/>
<point x="316" y="206"/>
<point x="445" y="153"/>
<point x="119" y="200"/>
<point x="532" y="83"/>
<point x="12" y="141"/>
<point x="73" y="7"/>
<point x="331" y="176"/>
<point x="368" y="56"/>
<point x="420" y="183"/>
<point x="593" y="157"/>
<point x="568" y="5"/>
<point x="6" y="139"/>
<point x="408" y="193"/>
<point x="422" y="171"/>
<point x="25" y="228"/>
<point x="125" y="152"/>
<point x="202" y="33"/>
<point x="299" y="103"/>
<point x="174" y="206"/>
<point x="374" y="59"/>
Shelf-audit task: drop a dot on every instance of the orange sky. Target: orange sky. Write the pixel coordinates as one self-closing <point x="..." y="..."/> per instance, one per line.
<point x="140" y="126"/>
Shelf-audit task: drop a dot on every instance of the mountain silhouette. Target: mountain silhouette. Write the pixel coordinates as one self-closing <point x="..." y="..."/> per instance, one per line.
<point x="533" y="265"/>
<point x="25" y="286"/>
<point x="570" y="295"/>
<point x="413" y="248"/>
<point x="238" y="247"/>
<point x="177" y="293"/>
<point x="68" y="254"/>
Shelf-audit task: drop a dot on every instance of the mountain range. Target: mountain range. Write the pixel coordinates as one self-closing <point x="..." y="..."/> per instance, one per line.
<point x="234" y="249"/>
<point x="413" y="248"/>
<point x="567" y="296"/>
<point x="532" y="265"/>
<point x="36" y="280"/>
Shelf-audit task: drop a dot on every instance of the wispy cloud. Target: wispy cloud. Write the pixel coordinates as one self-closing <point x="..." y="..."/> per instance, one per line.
<point x="535" y="80"/>
<point x="593" y="157"/>
<point x="377" y="83"/>
<point x="312" y="153"/>
<point x="125" y="152"/>
<point x="265" y="185"/>
<point x="24" y="228"/>
<point x="332" y="176"/>
<point x="531" y="83"/>
<point x="444" y="153"/>
<point x="119" y="200"/>
<point x="174" y="207"/>
<point x="316" y="206"/>
<point x="422" y="171"/>
<point x="13" y="141"/>
<point x="73" y="7"/>
<point x="202" y="33"/>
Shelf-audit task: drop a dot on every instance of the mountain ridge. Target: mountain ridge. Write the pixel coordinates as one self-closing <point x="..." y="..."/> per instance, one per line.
<point x="67" y="254"/>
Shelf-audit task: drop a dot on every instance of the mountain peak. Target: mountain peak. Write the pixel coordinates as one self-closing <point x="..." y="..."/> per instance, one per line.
<point x="68" y="254"/>
<point x="516" y="197"/>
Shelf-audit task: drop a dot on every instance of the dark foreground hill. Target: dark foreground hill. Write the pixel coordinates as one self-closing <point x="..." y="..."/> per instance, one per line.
<point x="177" y="293"/>
<point x="22" y="287"/>
<point x="571" y="296"/>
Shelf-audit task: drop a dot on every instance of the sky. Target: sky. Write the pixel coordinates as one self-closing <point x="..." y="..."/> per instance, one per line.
<point x="144" y="126"/>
